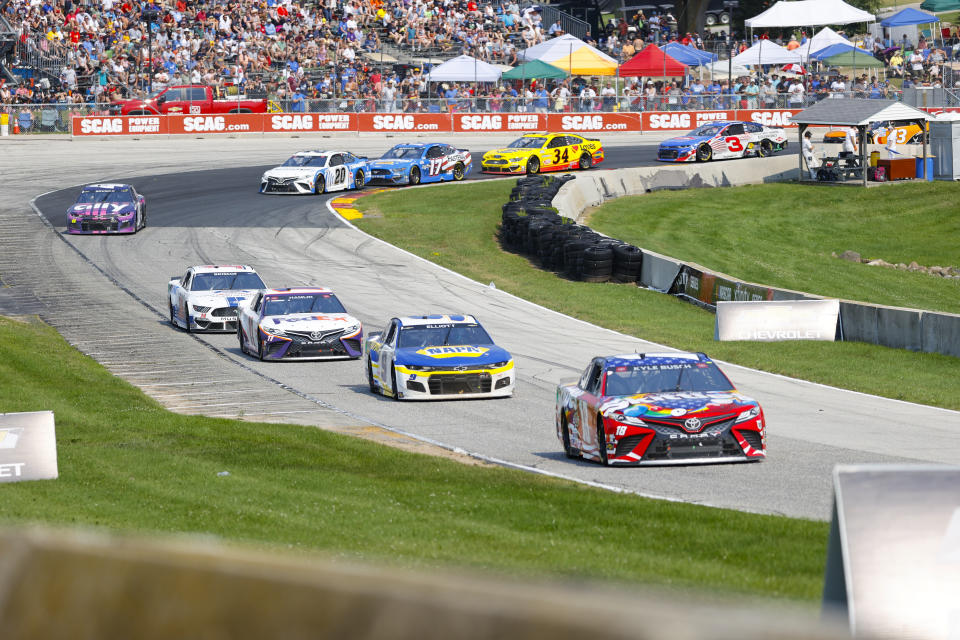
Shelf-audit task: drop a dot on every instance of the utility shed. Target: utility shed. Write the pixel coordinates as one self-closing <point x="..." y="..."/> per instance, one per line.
<point x="858" y="113"/>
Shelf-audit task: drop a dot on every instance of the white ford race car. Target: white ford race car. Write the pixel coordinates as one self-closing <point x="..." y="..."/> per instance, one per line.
<point x="306" y="323"/>
<point x="317" y="172"/>
<point x="437" y="357"/>
<point x="205" y="298"/>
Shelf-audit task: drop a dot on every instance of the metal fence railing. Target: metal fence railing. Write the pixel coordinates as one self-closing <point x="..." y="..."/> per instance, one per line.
<point x="570" y="24"/>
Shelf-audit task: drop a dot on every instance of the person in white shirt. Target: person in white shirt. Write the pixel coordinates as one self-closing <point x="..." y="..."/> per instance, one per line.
<point x="837" y="88"/>
<point x="808" y="157"/>
<point x="796" y="94"/>
<point x="587" y="96"/>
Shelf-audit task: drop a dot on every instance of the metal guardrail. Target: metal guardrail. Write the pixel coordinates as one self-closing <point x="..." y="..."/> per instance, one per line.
<point x="569" y="24"/>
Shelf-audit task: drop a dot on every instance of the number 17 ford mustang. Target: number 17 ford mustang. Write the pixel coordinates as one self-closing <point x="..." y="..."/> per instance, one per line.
<point x="722" y="140"/>
<point x="658" y="408"/>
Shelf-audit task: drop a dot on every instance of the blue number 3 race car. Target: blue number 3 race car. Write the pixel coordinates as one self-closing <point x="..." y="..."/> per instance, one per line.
<point x="414" y="163"/>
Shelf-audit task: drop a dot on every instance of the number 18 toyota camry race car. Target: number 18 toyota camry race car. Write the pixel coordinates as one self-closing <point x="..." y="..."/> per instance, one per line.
<point x="206" y="298"/>
<point x="107" y="208"/>
<point x="317" y="172"/>
<point x="436" y="357"/>
<point x="413" y="163"/>
<point x="658" y="408"/>
<point x="721" y="140"/>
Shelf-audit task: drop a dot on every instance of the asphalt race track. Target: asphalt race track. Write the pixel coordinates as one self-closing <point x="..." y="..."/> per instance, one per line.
<point x="206" y="217"/>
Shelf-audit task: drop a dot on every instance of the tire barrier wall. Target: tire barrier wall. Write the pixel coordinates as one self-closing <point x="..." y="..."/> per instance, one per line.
<point x="912" y="329"/>
<point x="88" y="585"/>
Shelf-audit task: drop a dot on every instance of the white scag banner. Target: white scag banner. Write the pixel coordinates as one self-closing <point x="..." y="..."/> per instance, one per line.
<point x="28" y="446"/>
<point x="769" y="321"/>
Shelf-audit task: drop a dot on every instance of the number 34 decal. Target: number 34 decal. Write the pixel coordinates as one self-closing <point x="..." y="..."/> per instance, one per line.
<point x="559" y="154"/>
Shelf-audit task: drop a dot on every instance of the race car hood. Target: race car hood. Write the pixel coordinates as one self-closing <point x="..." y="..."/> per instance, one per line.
<point x="292" y="172"/>
<point x="309" y="322"/>
<point x="452" y="355"/>
<point x="684" y="141"/>
<point x="102" y="210"/>
<point x="216" y="297"/>
<point x="678" y="404"/>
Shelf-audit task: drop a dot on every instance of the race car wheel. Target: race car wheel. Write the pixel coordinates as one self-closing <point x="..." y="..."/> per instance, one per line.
<point x="568" y="450"/>
<point x="374" y="389"/>
<point x="243" y="347"/>
<point x="704" y="153"/>
<point x="585" y="161"/>
<point x="414" y="178"/>
<point x="359" y="179"/>
<point x="261" y="352"/>
<point x="533" y="166"/>
<point x="766" y="148"/>
<point x="320" y="186"/>
<point x="143" y="218"/>
<point x="393" y="383"/>
<point x="602" y="442"/>
<point x="173" y="317"/>
<point x="458" y="172"/>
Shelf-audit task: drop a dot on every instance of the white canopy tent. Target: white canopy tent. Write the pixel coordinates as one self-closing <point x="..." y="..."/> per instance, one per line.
<point x="808" y="13"/>
<point x="766" y="52"/>
<point x="723" y="67"/>
<point x="464" y="69"/>
<point x="823" y="39"/>
<point x="559" y="47"/>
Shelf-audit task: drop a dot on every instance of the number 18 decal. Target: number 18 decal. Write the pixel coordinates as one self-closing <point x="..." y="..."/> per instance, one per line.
<point x="733" y="144"/>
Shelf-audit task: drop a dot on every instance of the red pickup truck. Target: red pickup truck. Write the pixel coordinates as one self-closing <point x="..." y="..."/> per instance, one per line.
<point x="188" y="99"/>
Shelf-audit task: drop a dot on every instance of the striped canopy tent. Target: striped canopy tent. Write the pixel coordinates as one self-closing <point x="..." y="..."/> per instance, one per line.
<point x="573" y="55"/>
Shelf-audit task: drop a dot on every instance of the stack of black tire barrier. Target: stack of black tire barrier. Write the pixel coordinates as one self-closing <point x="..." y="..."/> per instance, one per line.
<point x="531" y="226"/>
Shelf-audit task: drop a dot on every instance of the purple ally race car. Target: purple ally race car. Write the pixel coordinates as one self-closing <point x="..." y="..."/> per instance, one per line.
<point x="723" y="140"/>
<point x="107" y="208"/>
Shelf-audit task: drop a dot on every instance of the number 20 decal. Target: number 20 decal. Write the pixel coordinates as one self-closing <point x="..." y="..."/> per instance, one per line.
<point x="340" y="175"/>
<point x="733" y="144"/>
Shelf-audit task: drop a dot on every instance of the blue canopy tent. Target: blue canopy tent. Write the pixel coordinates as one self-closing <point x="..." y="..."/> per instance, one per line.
<point x="849" y="59"/>
<point x="839" y="47"/>
<point x="909" y="16"/>
<point x="688" y="55"/>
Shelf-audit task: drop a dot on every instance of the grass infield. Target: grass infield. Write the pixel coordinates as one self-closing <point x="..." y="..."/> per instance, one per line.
<point x="725" y="229"/>
<point x="128" y="465"/>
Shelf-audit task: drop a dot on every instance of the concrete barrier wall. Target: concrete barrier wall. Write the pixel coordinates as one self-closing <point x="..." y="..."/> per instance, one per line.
<point x="912" y="329"/>
<point x="84" y="585"/>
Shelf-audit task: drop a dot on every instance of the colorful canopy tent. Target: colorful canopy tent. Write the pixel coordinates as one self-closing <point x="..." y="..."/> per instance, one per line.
<point x="940" y="5"/>
<point x="573" y="55"/>
<point x="855" y="59"/>
<point x="766" y="52"/>
<point x="464" y="69"/>
<point x="808" y="13"/>
<point x="688" y="55"/>
<point x="909" y="16"/>
<point x="535" y="69"/>
<point x="837" y="49"/>
<point x="652" y="62"/>
<point x="823" y="39"/>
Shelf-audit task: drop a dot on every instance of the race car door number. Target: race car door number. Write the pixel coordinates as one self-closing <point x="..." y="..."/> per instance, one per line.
<point x="734" y="144"/>
<point x="561" y="153"/>
<point x="435" y="167"/>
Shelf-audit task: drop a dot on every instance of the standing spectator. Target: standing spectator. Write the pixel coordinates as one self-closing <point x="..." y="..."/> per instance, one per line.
<point x="608" y="96"/>
<point x="808" y="156"/>
<point x="796" y="95"/>
<point x="587" y="98"/>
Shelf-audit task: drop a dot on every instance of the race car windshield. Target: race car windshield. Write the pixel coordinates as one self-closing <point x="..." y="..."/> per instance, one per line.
<point x="706" y="130"/>
<point x="402" y="153"/>
<point x="526" y="143"/>
<point x="226" y="281"/>
<point x="437" y="335"/>
<point x="98" y="196"/>
<point x="306" y="161"/>
<point x="302" y="303"/>
<point x="653" y="378"/>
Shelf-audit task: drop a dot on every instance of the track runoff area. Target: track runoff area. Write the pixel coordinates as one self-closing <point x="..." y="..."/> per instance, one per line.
<point x="205" y="217"/>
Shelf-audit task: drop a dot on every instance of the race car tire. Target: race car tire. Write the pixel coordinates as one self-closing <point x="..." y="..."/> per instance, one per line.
<point x="136" y="223"/>
<point x="602" y="442"/>
<point x="393" y="382"/>
<point x="243" y="347"/>
<point x="568" y="450"/>
<point x="585" y="161"/>
<point x="359" y="179"/>
<point x="598" y="253"/>
<point x="143" y="218"/>
<point x="623" y="278"/>
<point x="173" y="317"/>
<point x="261" y="353"/>
<point x="595" y="267"/>
<point x="414" y="178"/>
<point x="374" y="389"/>
<point x="704" y="153"/>
<point x="766" y="148"/>
<point x="320" y="187"/>
<point x="458" y="172"/>
<point x="533" y="166"/>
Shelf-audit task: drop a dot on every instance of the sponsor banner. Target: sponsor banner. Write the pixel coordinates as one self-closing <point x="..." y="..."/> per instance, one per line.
<point x="519" y="122"/>
<point x="28" y="446"/>
<point x="769" y="117"/>
<point x="119" y="125"/>
<point x="286" y="122"/>
<point x="938" y="110"/>
<point x="404" y="122"/>
<point x="593" y="122"/>
<point x="709" y="289"/>
<point x="223" y="123"/>
<point x="769" y="321"/>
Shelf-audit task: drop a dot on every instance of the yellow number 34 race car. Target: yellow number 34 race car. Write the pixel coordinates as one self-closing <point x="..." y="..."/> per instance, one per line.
<point x="536" y="152"/>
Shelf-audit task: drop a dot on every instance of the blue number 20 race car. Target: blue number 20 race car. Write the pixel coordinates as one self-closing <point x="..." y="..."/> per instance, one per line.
<point x="414" y="163"/>
<point x="722" y="140"/>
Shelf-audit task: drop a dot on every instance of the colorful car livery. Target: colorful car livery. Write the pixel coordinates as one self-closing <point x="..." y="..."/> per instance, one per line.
<point x="536" y="152"/>
<point x="206" y="297"/>
<point x="413" y="163"/>
<point x="722" y="140"/>
<point x="317" y="172"/>
<point x="305" y="323"/>
<point x="434" y="357"/>
<point x="658" y="408"/>
<point x="107" y="208"/>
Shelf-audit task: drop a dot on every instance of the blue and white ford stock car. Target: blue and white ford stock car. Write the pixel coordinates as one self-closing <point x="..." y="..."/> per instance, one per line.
<point x="415" y="163"/>
<point x="723" y="140"/>
<point x="206" y="297"/>
<point x="304" y="323"/>
<point x="437" y="357"/>
<point x="317" y="172"/>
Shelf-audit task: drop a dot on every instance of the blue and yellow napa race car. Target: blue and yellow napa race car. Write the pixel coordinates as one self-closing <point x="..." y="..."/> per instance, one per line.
<point x="436" y="357"/>
<point x="420" y="162"/>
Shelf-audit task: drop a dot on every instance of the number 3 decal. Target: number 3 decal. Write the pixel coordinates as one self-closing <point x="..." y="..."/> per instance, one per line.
<point x="733" y="144"/>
